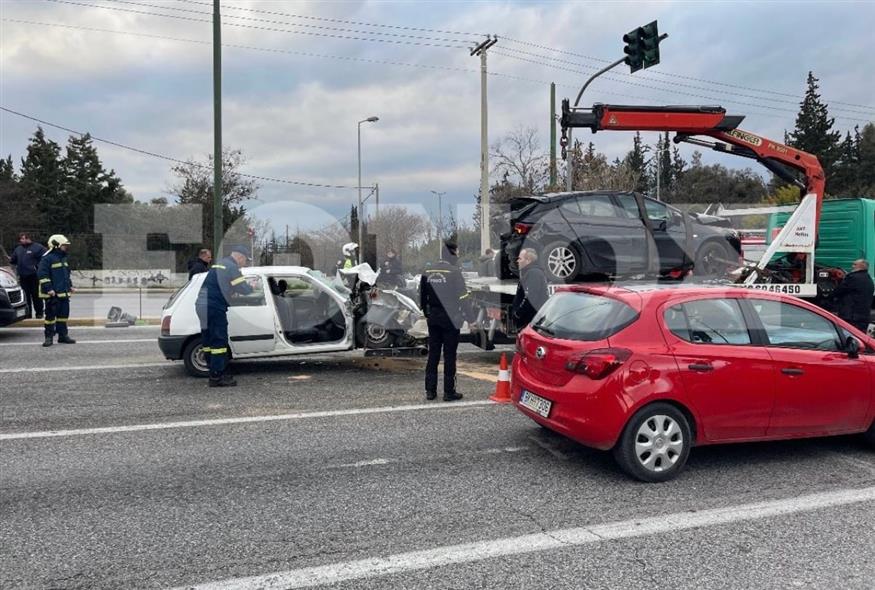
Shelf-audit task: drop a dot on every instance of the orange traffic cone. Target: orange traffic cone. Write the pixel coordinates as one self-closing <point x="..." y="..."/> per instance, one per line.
<point x="502" y="388"/>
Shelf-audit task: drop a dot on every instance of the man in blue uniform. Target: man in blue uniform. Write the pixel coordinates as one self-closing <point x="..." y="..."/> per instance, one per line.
<point x="223" y="280"/>
<point x="55" y="288"/>
<point x="25" y="258"/>
<point x="442" y="295"/>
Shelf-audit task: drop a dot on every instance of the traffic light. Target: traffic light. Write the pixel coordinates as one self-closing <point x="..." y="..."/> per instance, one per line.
<point x="642" y="47"/>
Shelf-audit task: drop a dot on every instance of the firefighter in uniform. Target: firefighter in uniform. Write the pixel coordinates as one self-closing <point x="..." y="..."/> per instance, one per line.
<point x="442" y="295"/>
<point x="223" y="280"/>
<point x="55" y="287"/>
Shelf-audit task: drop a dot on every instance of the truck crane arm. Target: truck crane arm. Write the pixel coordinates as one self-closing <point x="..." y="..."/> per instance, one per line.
<point x="710" y="121"/>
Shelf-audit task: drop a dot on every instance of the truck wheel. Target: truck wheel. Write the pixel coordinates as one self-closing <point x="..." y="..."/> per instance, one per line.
<point x="194" y="359"/>
<point x="713" y="260"/>
<point x="655" y="444"/>
<point x="562" y="262"/>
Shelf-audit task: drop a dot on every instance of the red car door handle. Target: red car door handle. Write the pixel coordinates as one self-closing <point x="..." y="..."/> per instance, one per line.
<point x="791" y="371"/>
<point x="701" y="367"/>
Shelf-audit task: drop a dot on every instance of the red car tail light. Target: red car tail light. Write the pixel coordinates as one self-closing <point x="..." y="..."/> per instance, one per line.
<point x="522" y="229"/>
<point x="598" y="363"/>
<point x="165" y="325"/>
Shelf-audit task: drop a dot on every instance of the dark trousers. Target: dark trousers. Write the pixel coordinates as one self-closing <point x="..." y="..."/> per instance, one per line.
<point x="30" y="286"/>
<point x="441" y="337"/>
<point x="217" y="340"/>
<point x="863" y="326"/>
<point x="202" y="316"/>
<point x="57" y="314"/>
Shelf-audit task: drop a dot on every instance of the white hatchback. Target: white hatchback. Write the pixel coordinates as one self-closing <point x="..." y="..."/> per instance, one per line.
<point x="294" y="310"/>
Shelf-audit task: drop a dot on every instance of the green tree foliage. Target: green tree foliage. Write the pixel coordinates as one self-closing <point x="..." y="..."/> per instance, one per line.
<point x="637" y="163"/>
<point x="715" y="183"/>
<point x="813" y="132"/>
<point x="87" y="183"/>
<point x="42" y="184"/>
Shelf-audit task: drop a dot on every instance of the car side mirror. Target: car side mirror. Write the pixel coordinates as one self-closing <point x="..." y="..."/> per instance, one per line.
<point x="852" y="347"/>
<point x="662" y="225"/>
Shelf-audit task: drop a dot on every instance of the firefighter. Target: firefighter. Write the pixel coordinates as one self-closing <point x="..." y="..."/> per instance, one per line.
<point x="55" y="287"/>
<point x="223" y="280"/>
<point x="442" y="296"/>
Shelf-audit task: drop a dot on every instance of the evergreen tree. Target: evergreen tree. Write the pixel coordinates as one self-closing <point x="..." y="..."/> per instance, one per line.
<point x="87" y="183"/>
<point x="18" y="213"/>
<point x="42" y="184"/>
<point x="845" y="181"/>
<point x="866" y="152"/>
<point x="637" y="164"/>
<point x="813" y="132"/>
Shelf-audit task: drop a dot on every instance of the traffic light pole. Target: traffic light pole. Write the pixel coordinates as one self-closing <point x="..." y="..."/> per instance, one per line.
<point x="570" y="162"/>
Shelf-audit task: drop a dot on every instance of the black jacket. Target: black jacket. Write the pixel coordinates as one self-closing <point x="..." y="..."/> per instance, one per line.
<point x="531" y="294"/>
<point x="442" y="294"/>
<point x="391" y="273"/>
<point x="196" y="266"/>
<point x="26" y="258"/>
<point x="854" y="296"/>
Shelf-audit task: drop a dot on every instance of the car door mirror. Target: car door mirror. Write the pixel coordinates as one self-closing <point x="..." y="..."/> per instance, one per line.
<point x="661" y="225"/>
<point x="852" y="347"/>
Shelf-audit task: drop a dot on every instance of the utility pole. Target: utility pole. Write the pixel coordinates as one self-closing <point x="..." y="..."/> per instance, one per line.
<point x="377" y="198"/>
<point x="480" y="50"/>
<point x="440" y="236"/>
<point x="552" y="135"/>
<point x="218" y="226"/>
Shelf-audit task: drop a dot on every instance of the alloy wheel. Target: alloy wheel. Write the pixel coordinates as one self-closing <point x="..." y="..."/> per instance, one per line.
<point x="561" y="262"/>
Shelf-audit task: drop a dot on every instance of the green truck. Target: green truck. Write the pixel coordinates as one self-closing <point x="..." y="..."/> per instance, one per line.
<point x="846" y="233"/>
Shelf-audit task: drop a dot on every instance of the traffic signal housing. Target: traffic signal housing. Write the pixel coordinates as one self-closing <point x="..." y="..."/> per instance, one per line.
<point x="642" y="47"/>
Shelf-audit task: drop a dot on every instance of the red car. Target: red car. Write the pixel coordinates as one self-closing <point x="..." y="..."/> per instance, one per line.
<point x="652" y="372"/>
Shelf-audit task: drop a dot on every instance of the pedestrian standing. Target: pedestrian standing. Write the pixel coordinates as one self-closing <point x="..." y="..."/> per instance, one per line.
<point x="223" y="280"/>
<point x="532" y="291"/>
<point x="200" y="263"/>
<point x="442" y="295"/>
<point x="55" y="287"/>
<point x="854" y="296"/>
<point x="25" y="258"/>
<point x="391" y="272"/>
<point x="487" y="263"/>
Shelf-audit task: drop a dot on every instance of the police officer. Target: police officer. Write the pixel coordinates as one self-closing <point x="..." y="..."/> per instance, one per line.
<point x="26" y="257"/>
<point x="55" y="287"/>
<point x="854" y="296"/>
<point x="223" y="280"/>
<point x="442" y="295"/>
<point x="350" y="256"/>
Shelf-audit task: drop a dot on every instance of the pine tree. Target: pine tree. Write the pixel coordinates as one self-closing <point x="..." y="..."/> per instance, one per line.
<point x="87" y="183"/>
<point x="637" y="164"/>
<point x="866" y="152"/>
<point x="42" y="184"/>
<point x="813" y="132"/>
<point x="845" y="181"/>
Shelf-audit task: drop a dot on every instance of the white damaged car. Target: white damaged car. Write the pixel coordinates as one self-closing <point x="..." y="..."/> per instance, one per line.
<point x="294" y="310"/>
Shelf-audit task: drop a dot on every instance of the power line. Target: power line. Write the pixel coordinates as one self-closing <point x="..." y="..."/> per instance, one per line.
<point x="168" y="158"/>
<point x="269" y="29"/>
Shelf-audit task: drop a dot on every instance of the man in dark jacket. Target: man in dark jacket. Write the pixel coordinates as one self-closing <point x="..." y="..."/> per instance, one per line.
<point x="25" y="258"/>
<point x="200" y="264"/>
<point x="223" y="280"/>
<point x="532" y="291"/>
<point x="390" y="272"/>
<point x="442" y="295"/>
<point x="854" y="296"/>
<point x="56" y="286"/>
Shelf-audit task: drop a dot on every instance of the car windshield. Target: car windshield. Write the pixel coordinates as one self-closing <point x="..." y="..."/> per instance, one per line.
<point x="582" y="316"/>
<point x="333" y="282"/>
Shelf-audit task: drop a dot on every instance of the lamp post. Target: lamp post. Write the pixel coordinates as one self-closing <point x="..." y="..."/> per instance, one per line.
<point x="440" y="220"/>
<point x="360" y="212"/>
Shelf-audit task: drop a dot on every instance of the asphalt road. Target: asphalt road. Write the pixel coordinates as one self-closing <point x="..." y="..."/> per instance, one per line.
<point x="117" y="471"/>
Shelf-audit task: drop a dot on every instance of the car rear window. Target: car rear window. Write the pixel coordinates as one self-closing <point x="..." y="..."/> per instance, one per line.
<point x="582" y="316"/>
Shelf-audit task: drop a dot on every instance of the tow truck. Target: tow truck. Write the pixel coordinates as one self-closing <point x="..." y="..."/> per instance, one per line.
<point x="709" y="127"/>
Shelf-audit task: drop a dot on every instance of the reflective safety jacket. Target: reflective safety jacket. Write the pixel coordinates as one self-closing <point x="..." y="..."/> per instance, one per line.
<point x="53" y="273"/>
<point x="443" y="296"/>
<point x="223" y="280"/>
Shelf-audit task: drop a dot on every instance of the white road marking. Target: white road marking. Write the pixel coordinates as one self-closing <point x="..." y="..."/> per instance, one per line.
<point x="85" y="368"/>
<point x="558" y="539"/>
<point x="119" y="341"/>
<point x="368" y="463"/>
<point x="241" y="420"/>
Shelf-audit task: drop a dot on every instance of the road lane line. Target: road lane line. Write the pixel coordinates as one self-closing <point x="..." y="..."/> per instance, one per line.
<point x="241" y="420"/>
<point x="119" y="341"/>
<point x="548" y="540"/>
<point x="86" y="368"/>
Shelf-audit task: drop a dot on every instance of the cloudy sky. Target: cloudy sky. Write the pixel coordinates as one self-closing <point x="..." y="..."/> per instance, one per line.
<point x="299" y="75"/>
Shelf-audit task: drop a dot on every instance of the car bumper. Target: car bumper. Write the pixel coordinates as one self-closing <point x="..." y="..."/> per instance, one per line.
<point x="171" y="346"/>
<point x="11" y="315"/>
<point x="592" y="419"/>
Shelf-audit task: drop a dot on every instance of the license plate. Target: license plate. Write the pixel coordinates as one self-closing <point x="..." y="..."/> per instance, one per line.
<point x="536" y="403"/>
<point x="21" y="312"/>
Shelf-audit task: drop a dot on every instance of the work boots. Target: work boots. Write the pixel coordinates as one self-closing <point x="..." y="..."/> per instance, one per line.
<point x="222" y="381"/>
<point x="65" y="340"/>
<point x="453" y="396"/>
<point x="48" y="342"/>
<point x="430" y="395"/>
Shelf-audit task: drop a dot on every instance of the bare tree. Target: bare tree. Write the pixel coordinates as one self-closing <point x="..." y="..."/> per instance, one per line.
<point x="397" y="228"/>
<point x="519" y="158"/>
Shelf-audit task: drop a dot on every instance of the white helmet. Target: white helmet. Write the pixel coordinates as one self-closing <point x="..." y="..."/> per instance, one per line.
<point x="58" y="240"/>
<point x="349" y="248"/>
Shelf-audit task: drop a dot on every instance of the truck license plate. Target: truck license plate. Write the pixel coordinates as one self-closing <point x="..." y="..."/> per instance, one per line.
<point x="536" y="403"/>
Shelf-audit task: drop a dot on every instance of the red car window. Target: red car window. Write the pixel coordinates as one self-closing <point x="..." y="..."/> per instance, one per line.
<point x="791" y="326"/>
<point x="708" y="321"/>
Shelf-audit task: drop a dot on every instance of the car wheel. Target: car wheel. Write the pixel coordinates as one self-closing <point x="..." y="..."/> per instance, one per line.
<point x="194" y="359"/>
<point x="713" y="260"/>
<point x="655" y="444"/>
<point x="562" y="262"/>
<point x="375" y="336"/>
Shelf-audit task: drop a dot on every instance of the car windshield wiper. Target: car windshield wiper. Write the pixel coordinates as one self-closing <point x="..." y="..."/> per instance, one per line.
<point x="539" y="327"/>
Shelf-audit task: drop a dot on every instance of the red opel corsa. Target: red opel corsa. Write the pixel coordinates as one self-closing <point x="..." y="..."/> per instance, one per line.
<point x="651" y="373"/>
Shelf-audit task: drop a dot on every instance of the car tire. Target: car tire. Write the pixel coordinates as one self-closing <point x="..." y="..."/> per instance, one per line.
<point x="709" y="260"/>
<point x="561" y="262"/>
<point x="374" y="335"/>
<point x="193" y="359"/>
<point x="660" y="426"/>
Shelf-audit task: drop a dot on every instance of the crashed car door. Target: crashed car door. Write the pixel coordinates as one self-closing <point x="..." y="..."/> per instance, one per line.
<point x="251" y="321"/>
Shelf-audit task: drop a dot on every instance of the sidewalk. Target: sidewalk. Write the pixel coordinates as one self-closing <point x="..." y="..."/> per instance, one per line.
<point x="85" y="322"/>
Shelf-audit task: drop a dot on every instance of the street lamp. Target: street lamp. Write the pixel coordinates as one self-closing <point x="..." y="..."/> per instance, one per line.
<point x="440" y="220"/>
<point x="361" y="213"/>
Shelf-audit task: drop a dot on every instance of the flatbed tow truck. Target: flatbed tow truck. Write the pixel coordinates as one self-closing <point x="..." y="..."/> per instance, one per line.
<point x="709" y="127"/>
